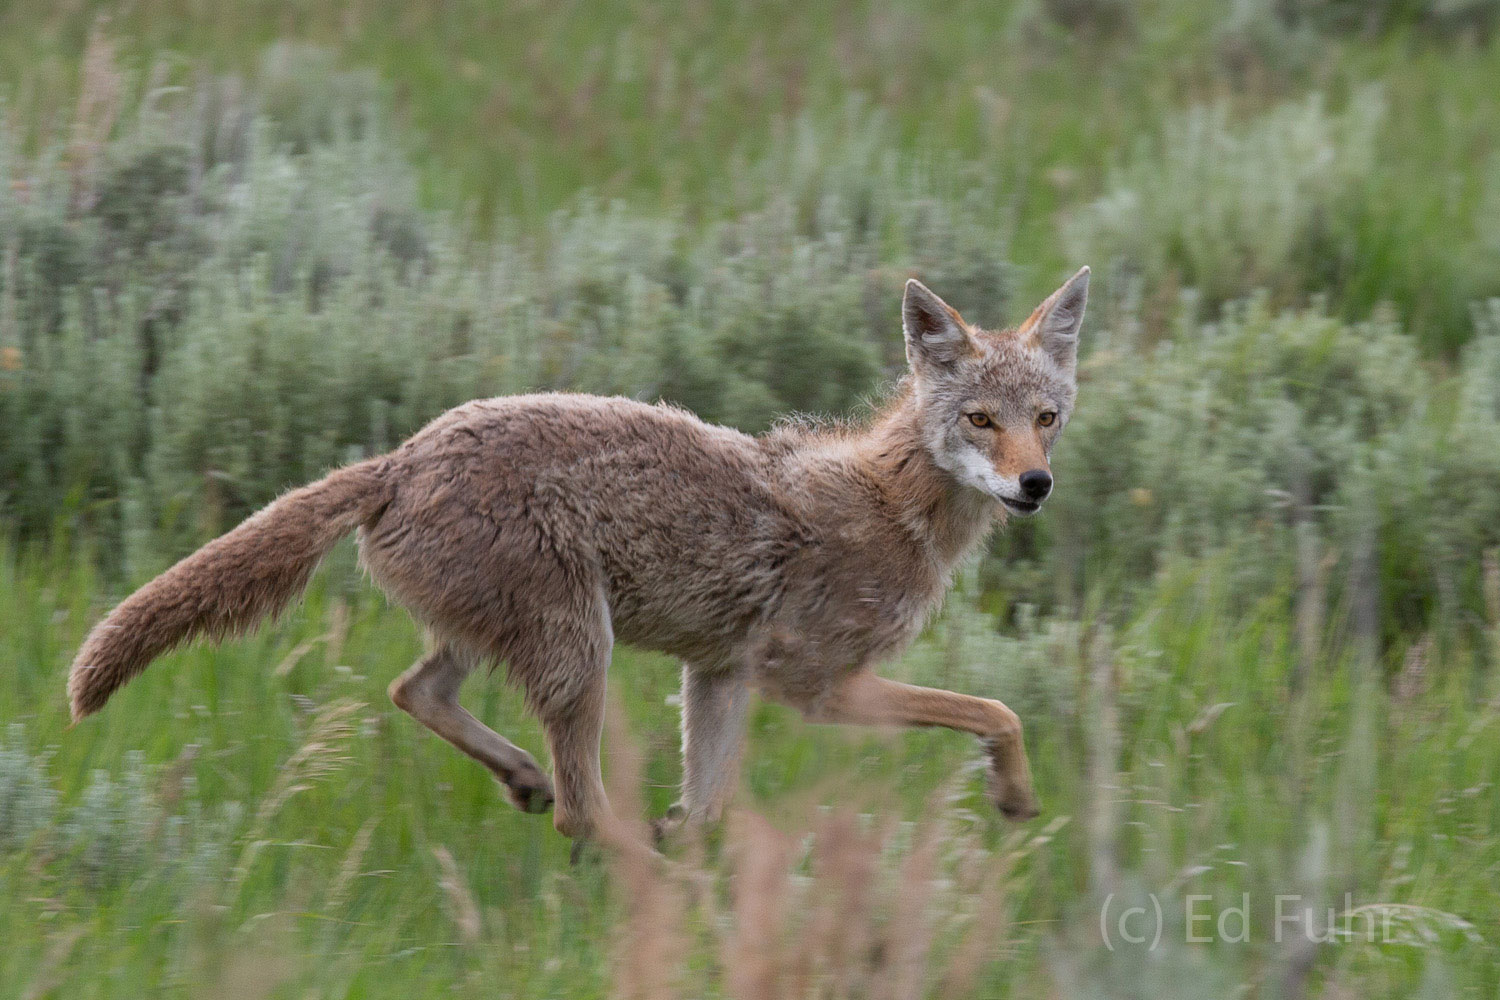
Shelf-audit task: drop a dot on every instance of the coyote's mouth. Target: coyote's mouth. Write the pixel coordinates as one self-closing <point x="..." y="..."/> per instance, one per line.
<point x="1023" y="507"/>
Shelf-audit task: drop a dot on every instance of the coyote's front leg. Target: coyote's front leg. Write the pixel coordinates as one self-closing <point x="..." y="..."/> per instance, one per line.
<point x="713" y="734"/>
<point x="867" y="699"/>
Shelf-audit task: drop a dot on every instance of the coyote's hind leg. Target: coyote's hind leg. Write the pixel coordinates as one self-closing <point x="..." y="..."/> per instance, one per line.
<point x="572" y="713"/>
<point x="428" y="692"/>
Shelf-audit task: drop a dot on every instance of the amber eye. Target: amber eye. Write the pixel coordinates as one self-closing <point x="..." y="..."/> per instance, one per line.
<point x="979" y="419"/>
<point x="1047" y="419"/>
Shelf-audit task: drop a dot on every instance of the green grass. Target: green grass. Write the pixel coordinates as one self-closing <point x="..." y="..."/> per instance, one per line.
<point x="512" y="109"/>
<point x="1337" y="788"/>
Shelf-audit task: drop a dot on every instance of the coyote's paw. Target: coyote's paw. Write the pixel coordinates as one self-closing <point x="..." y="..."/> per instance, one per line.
<point x="529" y="789"/>
<point x="1014" y="806"/>
<point x="1012" y="794"/>
<point x="664" y="828"/>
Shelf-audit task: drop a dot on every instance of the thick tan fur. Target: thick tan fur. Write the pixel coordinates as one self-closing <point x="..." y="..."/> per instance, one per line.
<point x="537" y="530"/>
<point x="228" y="585"/>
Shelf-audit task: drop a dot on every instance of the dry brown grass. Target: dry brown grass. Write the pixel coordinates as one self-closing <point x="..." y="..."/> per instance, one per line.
<point x="323" y="752"/>
<point x="821" y="902"/>
<point x="101" y="97"/>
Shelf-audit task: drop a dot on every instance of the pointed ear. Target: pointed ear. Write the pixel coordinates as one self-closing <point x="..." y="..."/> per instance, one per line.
<point x="1054" y="325"/>
<point x="936" y="336"/>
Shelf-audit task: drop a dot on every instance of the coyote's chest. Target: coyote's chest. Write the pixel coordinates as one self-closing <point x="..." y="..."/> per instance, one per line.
<point x="829" y="628"/>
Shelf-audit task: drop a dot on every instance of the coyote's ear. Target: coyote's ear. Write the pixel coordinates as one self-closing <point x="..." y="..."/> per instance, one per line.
<point x="935" y="333"/>
<point x="1054" y="325"/>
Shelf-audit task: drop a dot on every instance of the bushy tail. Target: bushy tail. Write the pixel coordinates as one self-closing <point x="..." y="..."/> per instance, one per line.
<point x="228" y="585"/>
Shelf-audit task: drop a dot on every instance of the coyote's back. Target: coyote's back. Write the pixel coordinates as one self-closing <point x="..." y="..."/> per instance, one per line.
<point x="511" y="519"/>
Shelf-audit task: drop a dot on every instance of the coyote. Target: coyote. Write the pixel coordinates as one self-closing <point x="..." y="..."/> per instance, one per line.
<point x="536" y="530"/>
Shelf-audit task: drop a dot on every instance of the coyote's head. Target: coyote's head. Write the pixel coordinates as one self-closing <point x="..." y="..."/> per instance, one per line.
<point x="993" y="404"/>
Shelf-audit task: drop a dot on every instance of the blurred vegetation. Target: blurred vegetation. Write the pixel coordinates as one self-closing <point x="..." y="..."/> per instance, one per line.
<point x="514" y="108"/>
<point x="1255" y="637"/>
<point x="281" y="830"/>
<point x="213" y="303"/>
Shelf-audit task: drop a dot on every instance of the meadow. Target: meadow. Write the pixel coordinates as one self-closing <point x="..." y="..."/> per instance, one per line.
<point x="1254" y="636"/>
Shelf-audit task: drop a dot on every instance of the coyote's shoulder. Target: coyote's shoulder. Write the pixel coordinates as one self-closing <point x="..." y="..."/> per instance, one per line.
<point x="535" y="530"/>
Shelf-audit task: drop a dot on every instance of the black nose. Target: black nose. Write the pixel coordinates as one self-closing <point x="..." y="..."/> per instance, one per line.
<point x="1036" y="484"/>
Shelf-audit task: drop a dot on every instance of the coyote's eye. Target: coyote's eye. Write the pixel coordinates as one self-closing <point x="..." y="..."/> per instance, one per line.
<point x="1047" y="419"/>
<point x="979" y="419"/>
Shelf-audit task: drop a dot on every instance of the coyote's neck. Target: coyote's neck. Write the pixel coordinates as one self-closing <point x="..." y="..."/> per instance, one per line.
<point x="948" y="517"/>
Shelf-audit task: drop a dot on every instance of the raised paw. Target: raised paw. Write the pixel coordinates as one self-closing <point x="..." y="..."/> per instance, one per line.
<point x="1008" y="782"/>
<point x="529" y="789"/>
<point x="1016" y="800"/>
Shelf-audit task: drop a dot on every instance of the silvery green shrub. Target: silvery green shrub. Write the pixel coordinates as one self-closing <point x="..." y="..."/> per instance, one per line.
<point x="125" y="829"/>
<point x="1227" y="208"/>
<point x="239" y="301"/>
<point x="108" y="832"/>
<point x="1231" y="433"/>
<point x="27" y="799"/>
<point x="1294" y="202"/>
